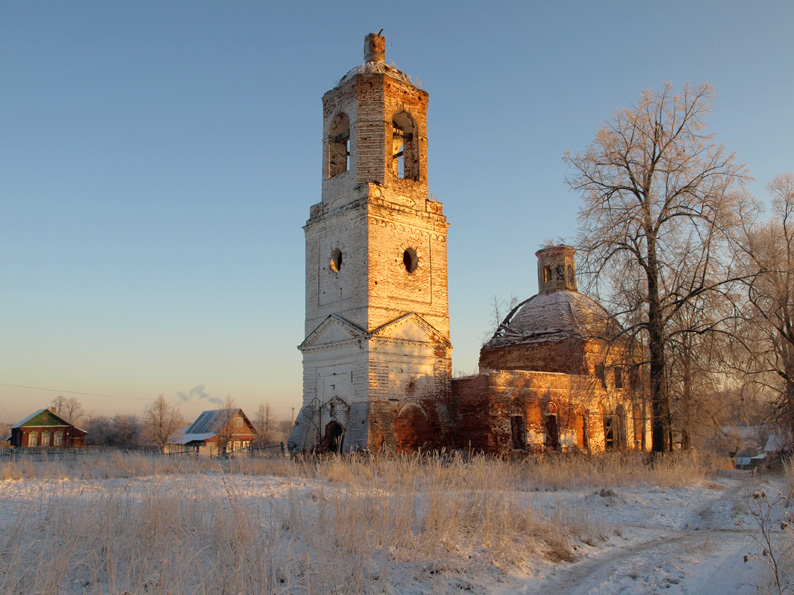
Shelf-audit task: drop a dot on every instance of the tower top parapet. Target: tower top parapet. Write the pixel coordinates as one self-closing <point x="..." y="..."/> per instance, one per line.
<point x="375" y="47"/>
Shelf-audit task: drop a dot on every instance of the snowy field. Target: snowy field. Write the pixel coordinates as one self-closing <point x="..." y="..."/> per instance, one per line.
<point x="408" y="526"/>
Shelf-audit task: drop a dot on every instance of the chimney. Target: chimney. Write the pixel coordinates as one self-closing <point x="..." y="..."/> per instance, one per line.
<point x="374" y="48"/>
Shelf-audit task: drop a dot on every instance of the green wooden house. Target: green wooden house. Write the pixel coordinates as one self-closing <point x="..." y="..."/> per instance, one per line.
<point x="46" y="429"/>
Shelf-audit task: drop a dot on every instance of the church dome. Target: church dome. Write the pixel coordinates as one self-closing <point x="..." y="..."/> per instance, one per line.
<point x="553" y="316"/>
<point x="558" y="311"/>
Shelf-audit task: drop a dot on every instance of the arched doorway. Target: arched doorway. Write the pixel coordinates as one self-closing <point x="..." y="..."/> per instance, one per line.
<point x="551" y="428"/>
<point x="334" y="437"/>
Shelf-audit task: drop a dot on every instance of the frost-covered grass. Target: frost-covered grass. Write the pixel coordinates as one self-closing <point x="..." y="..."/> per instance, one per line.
<point x="534" y="472"/>
<point x="130" y="523"/>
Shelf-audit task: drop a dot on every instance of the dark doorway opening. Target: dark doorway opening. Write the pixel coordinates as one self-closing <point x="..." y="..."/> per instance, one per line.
<point x="519" y="432"/>
<point x="611" y="432"/>
<point x="552" y="432"/>
<point x="334" y="437"/>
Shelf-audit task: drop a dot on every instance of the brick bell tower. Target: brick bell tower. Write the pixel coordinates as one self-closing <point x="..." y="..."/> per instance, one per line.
<point x="377" y="354"/>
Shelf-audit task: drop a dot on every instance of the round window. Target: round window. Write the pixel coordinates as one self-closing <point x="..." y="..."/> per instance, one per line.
<point x="336" y="260"/>
<point x="410" y="260"/>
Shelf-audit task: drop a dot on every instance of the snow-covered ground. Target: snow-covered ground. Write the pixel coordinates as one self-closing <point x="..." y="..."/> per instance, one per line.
<point x="632" y="539"/>
<point x="664" y="540"/>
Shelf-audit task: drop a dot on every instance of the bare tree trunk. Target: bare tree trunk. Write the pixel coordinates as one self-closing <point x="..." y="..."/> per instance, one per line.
<point x="788" y="366"/>
<point x="686" y="398"/>
<point x="660" y="406"/>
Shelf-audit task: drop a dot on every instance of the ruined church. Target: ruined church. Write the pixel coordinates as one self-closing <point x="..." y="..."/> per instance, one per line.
<point x="377" y="368"/>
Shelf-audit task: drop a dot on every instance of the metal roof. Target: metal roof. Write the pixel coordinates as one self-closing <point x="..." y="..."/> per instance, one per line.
<point x="211" y="422"/>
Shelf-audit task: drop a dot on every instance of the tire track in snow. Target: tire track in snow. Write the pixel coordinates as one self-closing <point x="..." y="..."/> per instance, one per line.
<point x="705" y="556"/>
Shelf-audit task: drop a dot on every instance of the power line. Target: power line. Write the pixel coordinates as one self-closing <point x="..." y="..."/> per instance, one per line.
<point x="73" y="392"/>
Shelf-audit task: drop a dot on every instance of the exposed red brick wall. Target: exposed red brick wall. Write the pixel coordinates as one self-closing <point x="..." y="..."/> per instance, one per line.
<point x="486" y="403"/>
<point x="567" y="356"/>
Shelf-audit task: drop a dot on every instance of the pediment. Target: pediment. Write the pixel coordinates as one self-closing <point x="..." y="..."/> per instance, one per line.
<point x="410" y="327"/>
<point x="332" y="330"/>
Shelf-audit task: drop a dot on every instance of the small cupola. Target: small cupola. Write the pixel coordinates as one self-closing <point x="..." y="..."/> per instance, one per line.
<point x="556" y="269"/>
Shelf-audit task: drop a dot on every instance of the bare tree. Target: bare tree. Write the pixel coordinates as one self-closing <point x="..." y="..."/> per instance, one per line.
<point x="284" y="428"/>
<point x="69" y="409"/>
<point x="500" y="308"/>
<point x="121" y="430"/>
<point x="226" y="430"/>
<point x="264" y="424"/>
<point x="161" y="420"/>
<point x="660" y="200"/>
<point x="696" y="375"/>
<point x="768" y="250"/>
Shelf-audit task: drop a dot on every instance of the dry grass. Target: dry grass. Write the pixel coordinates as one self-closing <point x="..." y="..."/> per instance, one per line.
<point x="346" y="524"/>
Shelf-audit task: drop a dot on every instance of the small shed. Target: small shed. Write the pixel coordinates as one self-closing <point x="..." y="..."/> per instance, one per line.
<point x="46" y="429"/>
<point x="217" y="431"/>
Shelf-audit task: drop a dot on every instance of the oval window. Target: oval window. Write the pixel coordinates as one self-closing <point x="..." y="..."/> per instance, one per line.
<point x="410" y="260"/>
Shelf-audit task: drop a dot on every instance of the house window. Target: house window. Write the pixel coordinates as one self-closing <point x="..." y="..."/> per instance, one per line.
<point x="57" y="438"/>
<point x="238" y="422"/>
<point x="405" y="154"/>
<point x="45" y="438"/>
<point x="33" y="439"/>
<point x="339" y="146"/>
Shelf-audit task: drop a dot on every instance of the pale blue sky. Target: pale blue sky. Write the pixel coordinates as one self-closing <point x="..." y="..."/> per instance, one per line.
<point x="158" y="160"/>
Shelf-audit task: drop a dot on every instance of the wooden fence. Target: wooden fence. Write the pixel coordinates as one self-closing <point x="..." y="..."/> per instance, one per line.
<point x="71" y="454"/>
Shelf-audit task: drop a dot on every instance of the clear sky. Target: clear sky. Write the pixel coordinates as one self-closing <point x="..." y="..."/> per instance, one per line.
<point x="158" y="160"/>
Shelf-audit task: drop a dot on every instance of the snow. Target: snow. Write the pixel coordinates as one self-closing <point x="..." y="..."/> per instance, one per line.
<point x="654" y="540"/>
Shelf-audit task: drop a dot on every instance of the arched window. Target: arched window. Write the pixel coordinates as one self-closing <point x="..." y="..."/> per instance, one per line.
<point x="33" y="439"/>
<point x="57" y="438"/>
<point x="339" y="146"/>
<point x="405" y="150"/>
<point x="546" y="274"/>
<point x="45" y="438"/>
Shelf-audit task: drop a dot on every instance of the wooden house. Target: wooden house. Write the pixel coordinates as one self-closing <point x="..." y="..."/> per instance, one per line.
<point x="46" y="429"/>
<point x="217" y="431"/>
